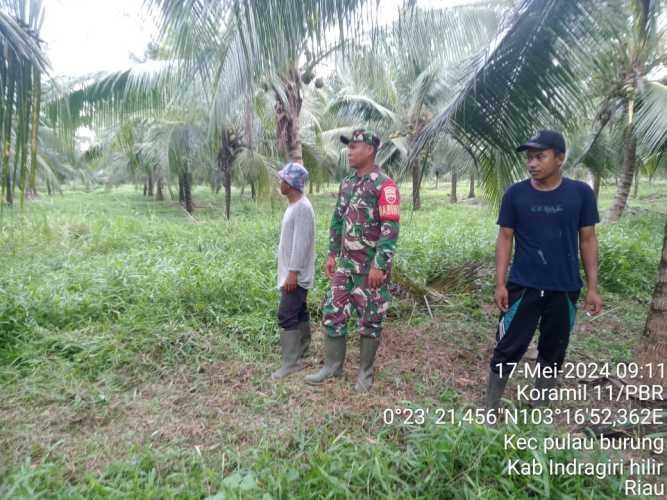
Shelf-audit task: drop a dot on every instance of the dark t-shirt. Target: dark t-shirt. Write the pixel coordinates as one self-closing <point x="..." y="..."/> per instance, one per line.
<point x="546" y="232"/>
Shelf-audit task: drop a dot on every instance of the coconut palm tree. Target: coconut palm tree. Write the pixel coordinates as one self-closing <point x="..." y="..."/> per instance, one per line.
<point x="652" y="347"/>
<point x="221" y="51"/>
<point x="631" y="55"/>
<point x="407" y="74"/>
<point x="276" y="44"/>
<point x="22" y="63"/>
<point x="600" y="155"/>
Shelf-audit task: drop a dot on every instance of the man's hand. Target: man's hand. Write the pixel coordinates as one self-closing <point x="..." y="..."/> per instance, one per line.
<point x="593" y="302"/>
<point x="291" y="282"/>
<point x="330" y="267"/>
<point x="502" y="298"/>
<point x="376" y="278"/>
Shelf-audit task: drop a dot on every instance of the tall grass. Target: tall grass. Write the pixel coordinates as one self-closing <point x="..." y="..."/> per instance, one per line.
<point x="95" y="277"/>
<point x="101" y="290"/>
<point x="430" y="461"/>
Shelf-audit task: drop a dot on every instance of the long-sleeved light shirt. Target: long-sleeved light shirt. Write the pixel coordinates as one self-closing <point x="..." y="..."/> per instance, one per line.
<point x="296" y="251"/>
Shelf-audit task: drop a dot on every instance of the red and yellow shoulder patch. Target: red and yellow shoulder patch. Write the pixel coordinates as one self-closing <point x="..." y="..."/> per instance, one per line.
<point x="390" y="201"/>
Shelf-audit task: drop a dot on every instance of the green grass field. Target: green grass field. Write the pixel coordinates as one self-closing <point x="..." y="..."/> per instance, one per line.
<point x="136" y="344"/>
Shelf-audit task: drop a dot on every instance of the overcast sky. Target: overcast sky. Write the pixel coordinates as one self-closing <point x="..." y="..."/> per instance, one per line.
<point x="84" y="36"/>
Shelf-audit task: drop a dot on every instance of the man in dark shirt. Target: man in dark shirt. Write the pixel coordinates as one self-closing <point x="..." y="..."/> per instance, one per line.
<point x="550" y="218"/>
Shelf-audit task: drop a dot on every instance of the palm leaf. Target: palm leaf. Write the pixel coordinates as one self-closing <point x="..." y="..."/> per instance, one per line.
<point x="528" y="78"/>
<point x="651" y="118"/>
<point x="107" y="98"/>
<point x="360" y="107"/>
<point x="24" y="43"/>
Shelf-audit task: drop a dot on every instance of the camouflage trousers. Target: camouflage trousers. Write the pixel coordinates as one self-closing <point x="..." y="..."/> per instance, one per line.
<point x="351" y="290"/>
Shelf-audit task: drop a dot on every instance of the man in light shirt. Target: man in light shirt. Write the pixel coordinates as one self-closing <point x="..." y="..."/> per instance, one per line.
<point x="296" y="270"/>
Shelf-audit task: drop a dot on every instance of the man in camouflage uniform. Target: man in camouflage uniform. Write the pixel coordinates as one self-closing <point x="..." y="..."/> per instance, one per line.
<point x="363" y="234"/>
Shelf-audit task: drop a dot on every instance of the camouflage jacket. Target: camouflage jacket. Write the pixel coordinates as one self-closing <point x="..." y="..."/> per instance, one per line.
<point x="365" y="223"/>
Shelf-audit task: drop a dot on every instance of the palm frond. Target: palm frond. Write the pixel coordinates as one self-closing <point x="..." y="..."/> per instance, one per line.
<point x="257" y="169"/>
<point x="528" y="78"/>
<point x="651" y="118"/>
<point x="105" y="99"/>
<point x="23" y="40"/>
<point x="276" y="32"/>
<point x="360" y="108"/>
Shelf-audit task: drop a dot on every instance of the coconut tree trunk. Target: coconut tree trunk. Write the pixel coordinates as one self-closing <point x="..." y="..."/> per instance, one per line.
<point x="416" y="181"/>
<point x="627" y="175"/>
<point x="597" y="181"/>
<point x="187" y="192"/>
<point x="652" y="346"/>
<point x="288" y="109"/>
<point x="18" y="130"/>
<point x="635" y="192"/>
<point x="150" y="183"/>
<point x="36" y="103"/>
<point x="227" y="182"/>
<point x="226" y="154"/>
<point x="159" y="184"/>
<point x="471" y="191"/>
<point x="452" y="197"/>
<point x="27" y="112"/>
<point x="437" y="178"/>
<point x="9" y="106"/>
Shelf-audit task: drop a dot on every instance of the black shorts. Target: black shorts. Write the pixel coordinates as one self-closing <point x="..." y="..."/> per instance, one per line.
<point x="293" y="308"/>
<point x="553" y="312"/>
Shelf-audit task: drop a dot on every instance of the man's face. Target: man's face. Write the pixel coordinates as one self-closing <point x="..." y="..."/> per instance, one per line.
<point x="284" y="187"/>
<point x="359" y="153"/>
<point x="543" y="163"/>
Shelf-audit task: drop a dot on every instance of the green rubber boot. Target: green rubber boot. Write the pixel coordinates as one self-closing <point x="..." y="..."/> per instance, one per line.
<point x="494" y="390"/>
<point x="290" y="344"/>
<point x="368" y="347"/>
<point x="304" y="328"/>
<point x="334" y="357"/>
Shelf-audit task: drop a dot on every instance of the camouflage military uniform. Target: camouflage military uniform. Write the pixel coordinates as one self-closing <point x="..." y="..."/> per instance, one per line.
<point x="363" y="234"/>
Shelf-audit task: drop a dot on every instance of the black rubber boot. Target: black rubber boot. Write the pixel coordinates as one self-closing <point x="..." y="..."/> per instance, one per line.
<point x="290" y="344"/>
<point x="368" y="347"/>
<point x="541" y="384"/>
<point x="494" y="390"/>
<point x="304" y="328"/>
<point x="334" y="357"/>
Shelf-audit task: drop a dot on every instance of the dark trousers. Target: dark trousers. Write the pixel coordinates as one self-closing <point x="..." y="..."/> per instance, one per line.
<point x="553" y="312"/>
<point x="293" y="308"/>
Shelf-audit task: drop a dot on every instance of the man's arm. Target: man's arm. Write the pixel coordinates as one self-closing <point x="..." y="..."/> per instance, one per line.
<point x="335" y="234"/>
<point x="503" y="255"/>
<point x="302" y="242"/>
<point x="389" y="208"/>
<point x="386" y="245"/>
<point x="588" y="247"/>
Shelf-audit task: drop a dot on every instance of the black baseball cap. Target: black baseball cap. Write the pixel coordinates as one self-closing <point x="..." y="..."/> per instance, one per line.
<point x="545" y="139"/>
<point x="362" y="135"/>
